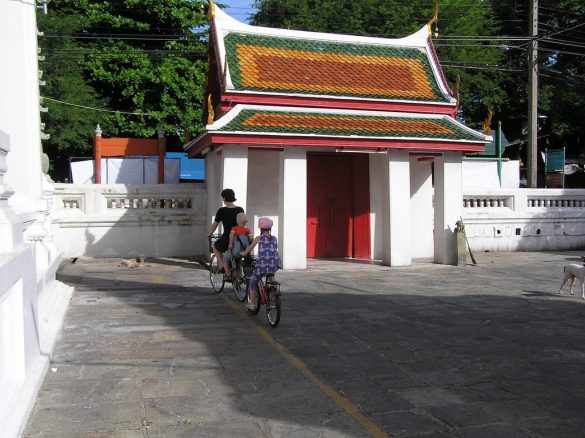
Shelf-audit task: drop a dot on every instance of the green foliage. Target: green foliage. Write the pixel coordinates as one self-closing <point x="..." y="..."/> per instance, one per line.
<point x="561" y="100"/>
<point x="139" y="60"/>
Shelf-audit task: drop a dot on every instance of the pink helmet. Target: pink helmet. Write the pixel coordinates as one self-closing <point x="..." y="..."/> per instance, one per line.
<point x="264" y="223"/>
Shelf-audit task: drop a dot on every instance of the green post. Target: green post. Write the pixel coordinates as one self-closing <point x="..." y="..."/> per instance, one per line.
<point x="499" y="151"/>
<point x="563" y="174"/>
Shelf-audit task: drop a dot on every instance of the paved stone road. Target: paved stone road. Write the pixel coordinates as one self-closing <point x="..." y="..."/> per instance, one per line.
<point x="362" y="350"/>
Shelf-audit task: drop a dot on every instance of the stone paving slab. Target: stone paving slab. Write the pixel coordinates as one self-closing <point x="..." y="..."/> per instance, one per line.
<point x="486" y="350"/>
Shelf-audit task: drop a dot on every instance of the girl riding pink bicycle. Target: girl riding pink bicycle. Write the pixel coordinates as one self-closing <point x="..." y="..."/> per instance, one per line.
<point x="267" y="260"/>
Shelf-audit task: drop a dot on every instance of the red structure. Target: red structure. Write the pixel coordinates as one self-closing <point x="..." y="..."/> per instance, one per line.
<point x="127" y="147"/>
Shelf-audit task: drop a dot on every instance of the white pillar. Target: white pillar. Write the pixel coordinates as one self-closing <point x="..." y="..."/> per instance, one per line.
<point x="448" y="205"/>
<point x="235" y="172"/>
<point x="212" y="178"/>
<point x="396" y="209"/>
<point x="421" y="209"/>
<point x="19" y="104"/>
<point x="293" y="208"/>
<point x="10" y="228"/>
<point x="377" y="184"/>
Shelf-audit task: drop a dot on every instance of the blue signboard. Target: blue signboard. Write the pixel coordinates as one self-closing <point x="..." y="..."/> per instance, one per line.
<point x="555" y="160"/>
<point x="189" y="168"/>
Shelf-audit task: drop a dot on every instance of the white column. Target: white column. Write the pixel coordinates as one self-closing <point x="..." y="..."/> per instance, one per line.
<point x="10" y="228"/>
<point x="293" y="208"/>
<point x="212" y="182"/>
<point x="19" y="105"/>
<point x="421" y="209"/>
<point x="235" y="172"/>
<point x="377" y="184"/>
<point x="396" y="209"/>
<point x="448" y="205"/>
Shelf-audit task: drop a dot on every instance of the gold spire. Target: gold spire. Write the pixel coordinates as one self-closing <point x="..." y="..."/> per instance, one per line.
<point x="434" y="21"/>
<point x="210" y="112"/>
<point x="455" y="91"/>
<point x="211" y="10"/>
<point x="487" y="122"/>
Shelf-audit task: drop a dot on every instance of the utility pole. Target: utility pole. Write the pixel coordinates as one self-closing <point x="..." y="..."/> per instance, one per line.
<point x="532" y="147"/>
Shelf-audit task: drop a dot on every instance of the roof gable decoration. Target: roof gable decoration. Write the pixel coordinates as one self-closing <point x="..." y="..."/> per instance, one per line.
<point x="255" y="59"/>
<point x="294" y="121"/>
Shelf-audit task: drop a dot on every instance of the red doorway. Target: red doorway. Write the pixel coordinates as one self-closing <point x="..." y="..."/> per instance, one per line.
<point x="338" y="206"/>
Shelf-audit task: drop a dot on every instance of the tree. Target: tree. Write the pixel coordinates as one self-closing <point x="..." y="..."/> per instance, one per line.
<point x="468" y="58"/>
<point x="561" y="101"/>
<point x="141" y="62"/>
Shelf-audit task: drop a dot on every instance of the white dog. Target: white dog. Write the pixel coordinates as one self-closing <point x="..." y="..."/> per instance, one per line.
<point x="572" y="272"/>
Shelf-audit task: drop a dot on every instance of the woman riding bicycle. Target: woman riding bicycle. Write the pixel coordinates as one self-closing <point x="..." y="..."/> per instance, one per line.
<point x="267" y="260"/>
<point x="227" y="216"/>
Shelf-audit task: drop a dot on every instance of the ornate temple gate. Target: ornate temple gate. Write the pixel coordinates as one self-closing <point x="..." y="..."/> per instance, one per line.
<point x="328" y="102"/>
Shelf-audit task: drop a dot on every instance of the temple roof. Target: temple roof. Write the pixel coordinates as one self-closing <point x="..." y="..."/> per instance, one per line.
<point x="386" y="130"/>
<point x="277" y="87"/>
<point x="254" y="59"/>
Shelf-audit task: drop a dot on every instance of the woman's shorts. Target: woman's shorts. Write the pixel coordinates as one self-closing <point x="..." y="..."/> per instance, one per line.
<point x="222" y="243"/>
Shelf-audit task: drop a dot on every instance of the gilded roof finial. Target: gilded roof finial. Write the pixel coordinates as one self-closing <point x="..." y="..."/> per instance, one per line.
<point x="487" y="122"/>
<point x="211" y="10"/>
<point x="210" y="112"/>
<point x="455" y="91"/>
<point x="434" y="21"/>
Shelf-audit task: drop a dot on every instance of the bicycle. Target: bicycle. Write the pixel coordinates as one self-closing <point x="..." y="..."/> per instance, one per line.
<point x="269" y="295"/>
<point x="218" y="279"/>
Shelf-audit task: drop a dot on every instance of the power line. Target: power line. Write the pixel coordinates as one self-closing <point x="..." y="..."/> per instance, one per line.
<point x="495" y="67"/>
<point x="563" y="42"/>
<point x="564" y="74"/>
<point x="95" y="109"/>
<point x="564" y="52"/>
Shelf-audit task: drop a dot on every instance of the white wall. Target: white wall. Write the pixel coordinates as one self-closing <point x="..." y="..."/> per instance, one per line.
<point x="213" y="178"/>
<point x="376" y="205"/>
<point x="293" y="208"/>
<point x="124" y="221"/>
<point x="126" y="171"/>
<point x="484" y="174"/>
<point x="448" y="187"/>
<point x="263" y="188"/>
<point x="421" y="211"/>
<point x="525" y="219"/>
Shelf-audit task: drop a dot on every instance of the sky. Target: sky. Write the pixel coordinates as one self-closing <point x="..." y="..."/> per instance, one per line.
<point x="238" y="9"/>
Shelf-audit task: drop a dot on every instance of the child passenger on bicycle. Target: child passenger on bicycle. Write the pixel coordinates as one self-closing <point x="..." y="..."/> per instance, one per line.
<point x="240" y="238"/>
<point x="240" y="235"/>
<point x="267" y="260"/>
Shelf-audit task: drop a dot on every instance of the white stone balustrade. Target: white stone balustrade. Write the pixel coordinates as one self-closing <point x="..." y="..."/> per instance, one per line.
<point x="116" y="220"/>
<point x="525" y="219"/>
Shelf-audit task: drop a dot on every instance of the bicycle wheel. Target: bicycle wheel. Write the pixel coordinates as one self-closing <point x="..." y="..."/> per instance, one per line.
<point x="272" y="306"/>
<point x="216" y="278"/>
<point x="240" y="291"/>
<point x="257" y="303"/>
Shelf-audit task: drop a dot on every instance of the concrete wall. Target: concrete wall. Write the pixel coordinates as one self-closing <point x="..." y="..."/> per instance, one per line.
<point x="525" y="219"/>
<point x="124" y="221"/>
<point x="263" y="189"/>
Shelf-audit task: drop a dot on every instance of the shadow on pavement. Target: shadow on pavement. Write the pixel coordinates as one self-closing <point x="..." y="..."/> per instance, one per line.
<point x="427" y="351"/>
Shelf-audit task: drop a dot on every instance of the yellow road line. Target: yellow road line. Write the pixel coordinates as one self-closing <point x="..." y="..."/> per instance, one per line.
<point x="347" y="406"/>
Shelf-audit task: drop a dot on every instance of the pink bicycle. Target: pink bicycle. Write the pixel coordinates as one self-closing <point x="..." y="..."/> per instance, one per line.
<point x="269" y="295"/>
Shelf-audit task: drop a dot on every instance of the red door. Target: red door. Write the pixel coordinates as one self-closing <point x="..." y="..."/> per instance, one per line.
<point x="338" y="206"/>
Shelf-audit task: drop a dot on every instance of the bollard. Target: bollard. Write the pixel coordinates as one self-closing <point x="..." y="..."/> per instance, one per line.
<point x="461" y="244"/>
